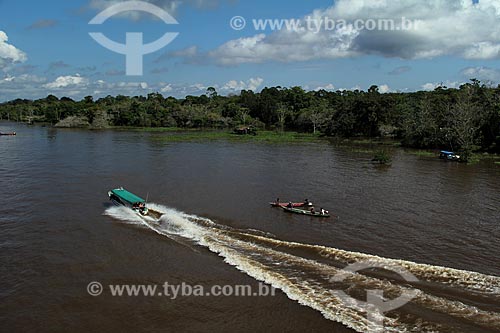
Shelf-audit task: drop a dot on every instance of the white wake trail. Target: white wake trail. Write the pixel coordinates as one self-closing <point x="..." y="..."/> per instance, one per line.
<point x="306" y="280"/>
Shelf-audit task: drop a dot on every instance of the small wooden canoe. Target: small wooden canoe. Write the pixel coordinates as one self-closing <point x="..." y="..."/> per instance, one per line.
<point x="11" y="133"/>
<point x="304" y="212"/>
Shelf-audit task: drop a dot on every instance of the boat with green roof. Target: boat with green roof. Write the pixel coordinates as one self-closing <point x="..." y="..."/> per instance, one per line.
<point x="122" y="197"/>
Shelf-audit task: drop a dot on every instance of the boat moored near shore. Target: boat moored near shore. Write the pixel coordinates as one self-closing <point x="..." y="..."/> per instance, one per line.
<point x="449" y="156"/>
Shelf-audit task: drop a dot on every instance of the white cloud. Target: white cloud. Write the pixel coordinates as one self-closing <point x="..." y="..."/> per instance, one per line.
<point x="482" y="50"/>
<point x="482" y="73"/>
<point x="384" y="89"/>
<point x="9" y="53"/>
<point x="65" y="81"/>
<point x="198" y="87"/>
<point x="254" y="84"/>
<point x="430" y="86"/>
<point x="351" y="89"/>
<point x="460" y="28"/>
<point x="166" y="89"/>
<point x="77" y="86"/>
<point x="328" y="87"/>
<point x="22" y="86"/>
<point x="24" y="78"/>
<point x="236" y="86"/>
<point x="286" y="46"/>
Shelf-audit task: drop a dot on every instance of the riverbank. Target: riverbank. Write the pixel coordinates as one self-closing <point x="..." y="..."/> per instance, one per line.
<point x="368" y="146"/>
<point x="172" y="134"/>
<point x="371" y="146"/>
<point x="357" y="145"/>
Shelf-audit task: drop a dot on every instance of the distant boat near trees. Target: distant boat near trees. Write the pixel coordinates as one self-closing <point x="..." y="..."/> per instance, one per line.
<point x="449" y="156"/>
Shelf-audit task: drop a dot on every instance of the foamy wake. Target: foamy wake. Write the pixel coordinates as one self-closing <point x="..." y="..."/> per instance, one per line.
<point x="448" y="299"/>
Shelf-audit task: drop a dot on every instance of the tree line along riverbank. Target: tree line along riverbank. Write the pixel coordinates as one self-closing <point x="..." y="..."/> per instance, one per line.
<point x="465" y="120"/>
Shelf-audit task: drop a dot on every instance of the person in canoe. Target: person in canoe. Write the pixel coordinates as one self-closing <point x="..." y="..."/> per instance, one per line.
<point x="277" y="201"/>
<point x="312" y="210"/>
<point x="290" y="205"/>
<point x="323" y="212"/>
<point x="307" y="203"/>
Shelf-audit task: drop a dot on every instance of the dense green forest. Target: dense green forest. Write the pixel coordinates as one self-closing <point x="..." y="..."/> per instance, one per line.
<point x="465" y="119"/>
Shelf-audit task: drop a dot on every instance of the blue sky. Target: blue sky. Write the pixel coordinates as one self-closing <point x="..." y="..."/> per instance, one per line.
<point x="47" y="49"/>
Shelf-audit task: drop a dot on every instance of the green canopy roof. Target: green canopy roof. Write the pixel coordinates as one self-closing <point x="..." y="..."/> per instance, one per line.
<point x="127" y="196"/>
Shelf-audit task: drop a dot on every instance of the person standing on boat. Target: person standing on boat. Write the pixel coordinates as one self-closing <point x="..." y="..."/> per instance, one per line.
<point x="142" y="207"/>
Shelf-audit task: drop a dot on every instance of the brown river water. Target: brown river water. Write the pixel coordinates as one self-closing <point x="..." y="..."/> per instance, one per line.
<point x="438" y="221"/>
